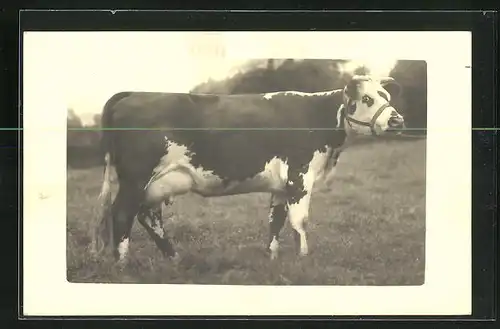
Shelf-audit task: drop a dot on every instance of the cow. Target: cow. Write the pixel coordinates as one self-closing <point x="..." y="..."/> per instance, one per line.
<point x="167" y="144"/>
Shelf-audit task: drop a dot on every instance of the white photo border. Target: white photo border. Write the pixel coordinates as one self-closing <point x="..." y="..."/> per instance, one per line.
<point x="448" y="278"/>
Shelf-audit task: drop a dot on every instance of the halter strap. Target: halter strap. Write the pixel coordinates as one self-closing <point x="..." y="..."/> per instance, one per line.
<point x="370" y="124"/>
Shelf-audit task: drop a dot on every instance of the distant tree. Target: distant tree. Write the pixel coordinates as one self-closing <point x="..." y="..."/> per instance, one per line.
<point x="73" y="120"/>
<point x="212" y="87"/>
<point x="362" y="70"/>
<point x="97" y="119"/>
<point x="300" y="75"/>
<point x="82" y="144"/>
<point x="412" y="76"/>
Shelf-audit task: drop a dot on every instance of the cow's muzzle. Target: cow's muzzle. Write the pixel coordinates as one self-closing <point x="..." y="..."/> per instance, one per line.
<point x="396" y="123"/>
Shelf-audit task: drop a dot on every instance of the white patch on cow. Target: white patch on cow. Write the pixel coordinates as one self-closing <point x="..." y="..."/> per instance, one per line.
<point x="339" y="115"/>
<point x="274" y="247"/>
<point x="270" y="95"/>
<point x="283" y="169"/>
<point x="297" y="93"/>
<point x="123" y="248"/>
<point x="323" y="93"/>
<point x="176" y="175"/>
<point x="318" y="167"/>
<point x="286" y="93"/>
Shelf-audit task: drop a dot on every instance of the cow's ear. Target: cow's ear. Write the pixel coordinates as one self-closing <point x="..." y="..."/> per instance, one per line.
<point x="391" y="86"/>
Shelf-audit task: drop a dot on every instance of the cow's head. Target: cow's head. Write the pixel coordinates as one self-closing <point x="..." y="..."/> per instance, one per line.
<point x="367" y="108"/>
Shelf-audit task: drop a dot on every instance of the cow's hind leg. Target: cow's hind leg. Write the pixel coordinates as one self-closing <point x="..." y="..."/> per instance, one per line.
<point x="151" y="219"/>
<point x="277" y="216"/>
<point x="124" y="210"/>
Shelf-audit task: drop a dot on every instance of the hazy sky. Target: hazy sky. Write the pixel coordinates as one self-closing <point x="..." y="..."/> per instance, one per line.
<point x="98" y="65"/>
<point x="95" y="65"/>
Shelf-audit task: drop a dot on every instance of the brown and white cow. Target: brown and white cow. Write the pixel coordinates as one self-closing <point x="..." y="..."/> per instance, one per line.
<point x="167" y="144"/>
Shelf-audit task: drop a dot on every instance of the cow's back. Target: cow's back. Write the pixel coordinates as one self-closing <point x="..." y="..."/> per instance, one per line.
<point x="231" y="135"/>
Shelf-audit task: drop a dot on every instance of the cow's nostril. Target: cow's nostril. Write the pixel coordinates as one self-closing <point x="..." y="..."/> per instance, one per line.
<point x="396" y="122"/>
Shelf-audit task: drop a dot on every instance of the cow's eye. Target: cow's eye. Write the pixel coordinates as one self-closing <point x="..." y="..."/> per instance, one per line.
<point x="367" y="100"/>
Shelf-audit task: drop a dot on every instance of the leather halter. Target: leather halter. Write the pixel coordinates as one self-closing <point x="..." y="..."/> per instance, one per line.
<point x="370" y="124"/>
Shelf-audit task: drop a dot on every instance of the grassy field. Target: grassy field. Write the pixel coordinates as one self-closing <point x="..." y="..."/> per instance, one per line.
<point x="367" y="228"/>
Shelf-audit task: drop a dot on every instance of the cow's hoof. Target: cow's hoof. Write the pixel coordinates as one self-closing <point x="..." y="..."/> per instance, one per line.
<point x="176" y="258"/>
<point x="96" y="250"/>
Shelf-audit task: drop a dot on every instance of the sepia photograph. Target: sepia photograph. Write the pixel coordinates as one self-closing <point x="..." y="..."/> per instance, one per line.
<point x="247" y="159"/>
<point x="233" y="172"/>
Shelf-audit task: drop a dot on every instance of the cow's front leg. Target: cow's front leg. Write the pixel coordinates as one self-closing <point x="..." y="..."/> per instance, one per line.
<point x="298" y="214"/>
<point x="277" y="215"/>
<point x="151" y="219"/>
<point x="298" y="202"/>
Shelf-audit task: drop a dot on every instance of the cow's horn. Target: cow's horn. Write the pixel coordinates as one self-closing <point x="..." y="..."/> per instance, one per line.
<point x="385" y="80"/>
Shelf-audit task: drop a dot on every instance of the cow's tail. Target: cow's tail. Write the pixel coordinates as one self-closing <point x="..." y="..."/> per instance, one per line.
<point x="105" y="194"/>
<point x="103" y="233"/>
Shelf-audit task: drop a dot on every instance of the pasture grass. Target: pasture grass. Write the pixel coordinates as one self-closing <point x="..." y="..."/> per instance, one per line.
<point x="366" y="228"/>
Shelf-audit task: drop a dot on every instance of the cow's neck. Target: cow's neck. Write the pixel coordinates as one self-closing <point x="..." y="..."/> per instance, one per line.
<point x="343" y="125"/>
